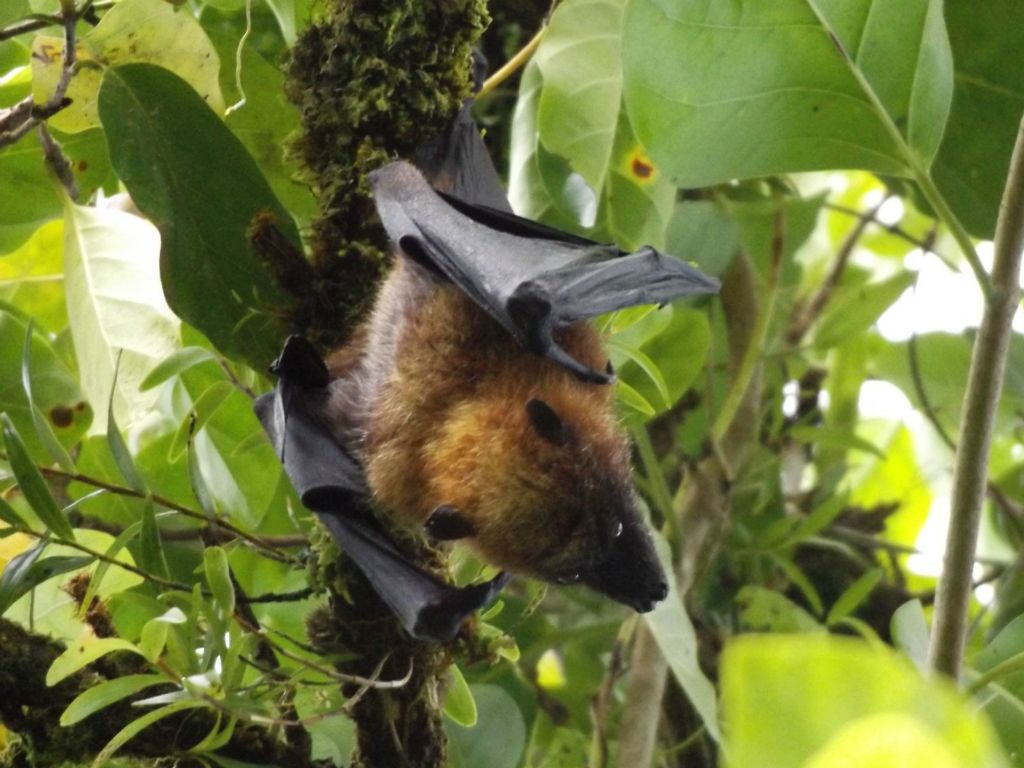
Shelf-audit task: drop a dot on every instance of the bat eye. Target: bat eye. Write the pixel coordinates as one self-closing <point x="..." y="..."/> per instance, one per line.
<point x="618" y="530"/>
<point x="546" y="422"/>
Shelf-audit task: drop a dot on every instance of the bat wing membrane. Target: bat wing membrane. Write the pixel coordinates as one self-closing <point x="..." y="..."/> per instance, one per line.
<point x="530" y="278"/>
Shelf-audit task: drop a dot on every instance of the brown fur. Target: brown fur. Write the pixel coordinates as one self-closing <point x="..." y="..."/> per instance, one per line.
<point x="448" y="425"/>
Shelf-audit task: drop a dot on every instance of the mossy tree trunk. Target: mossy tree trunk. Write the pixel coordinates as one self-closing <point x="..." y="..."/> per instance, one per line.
<point x="374" y="80"/>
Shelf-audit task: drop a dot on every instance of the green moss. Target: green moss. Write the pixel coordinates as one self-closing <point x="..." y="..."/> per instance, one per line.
<point x="373" y="81"/>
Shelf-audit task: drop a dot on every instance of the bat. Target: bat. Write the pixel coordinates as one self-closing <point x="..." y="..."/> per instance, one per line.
<point x="471" y="403"/>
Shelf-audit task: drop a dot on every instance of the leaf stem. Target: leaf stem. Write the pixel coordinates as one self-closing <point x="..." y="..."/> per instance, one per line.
<point x="509" y="67"/>
<point x="984" y="386"/>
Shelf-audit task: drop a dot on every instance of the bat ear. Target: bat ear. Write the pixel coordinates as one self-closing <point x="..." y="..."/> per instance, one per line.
<point x="546" y="422"/>
<point x="448" y="524"/>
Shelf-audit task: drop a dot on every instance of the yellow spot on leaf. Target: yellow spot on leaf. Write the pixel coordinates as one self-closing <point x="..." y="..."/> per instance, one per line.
<point x="641" y="169"/>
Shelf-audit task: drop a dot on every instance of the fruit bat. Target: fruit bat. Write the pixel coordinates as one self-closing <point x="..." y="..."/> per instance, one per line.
<point x="473" y="401"/>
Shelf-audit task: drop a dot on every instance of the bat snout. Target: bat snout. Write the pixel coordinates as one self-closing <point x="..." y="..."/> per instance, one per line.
<point x="631" y="572"/>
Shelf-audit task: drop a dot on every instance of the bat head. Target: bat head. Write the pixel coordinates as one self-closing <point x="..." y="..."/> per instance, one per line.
<point x="544" y="489"/>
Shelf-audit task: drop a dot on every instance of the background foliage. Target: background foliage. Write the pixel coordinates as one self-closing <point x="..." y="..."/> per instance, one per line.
<point x="834" y="161"/>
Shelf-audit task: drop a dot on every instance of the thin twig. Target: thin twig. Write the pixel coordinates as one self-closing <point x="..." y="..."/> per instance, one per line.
<point x="926" y="244"/>
<point x="330" y="673"/>
<point x="260" y="544"/>
<point x="157" y="580"/>
<point x="817" y="303"/>
<point x="984" y="386"/>
<point x="58" y="162"/>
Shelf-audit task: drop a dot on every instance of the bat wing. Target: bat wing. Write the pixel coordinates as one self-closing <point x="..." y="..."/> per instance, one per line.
<point x="330" y="482"/>
<point x="457" y="162"/>
<point x="531" y="279"/>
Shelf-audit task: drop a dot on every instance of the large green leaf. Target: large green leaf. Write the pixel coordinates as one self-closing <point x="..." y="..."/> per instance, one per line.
<point x="497" y="740"/>
<point x="719" y="91"/>
<point x="579" y="62"/>
<point x="819" y="691"/>
<point x="116" y="307"/>
<point x="988" y="100"/>
<point x="132" y="31"/>
<point x="541" y="185"/>
<point x="196" y="182"/>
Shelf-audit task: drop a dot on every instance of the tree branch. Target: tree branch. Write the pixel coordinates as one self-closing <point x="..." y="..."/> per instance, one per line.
<point x="984" y="386"/>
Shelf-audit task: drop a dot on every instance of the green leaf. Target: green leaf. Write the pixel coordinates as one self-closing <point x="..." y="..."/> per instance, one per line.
<point x="118" y="448"/>
<point x="129" y="732"/>
<point x="151" y="550"/>
<point x="703" y="232"/>
<point x="12" y="10"/>
<point x="628" y="396"/>
<point x="909" y="630"/>
<point x="100" y="696"/>
<point x="801" y="685"/>
<point x="541" y="185"/>
<point x="203" y="409"/>
<point x="648" y="366"/>
<point x="499" y="736"/>
<point x="162" y="139"/>
<point x="132" y="31"/>
<point x="24" y="572"/>
<point x="103" y="566"/>
<point x="821" y="84"/>
<point x="153" y="637"/>
<point x="32" y="277"/>
<point x="10" y="516"/>
<point x="116" y="306"/>
<point x="54" y="390"/>
<point x="678" y="351"/>
<point x="1004" y="698"/>
<point x="855" y="308"/>
<point x="458" y="703"/>
<point x="854" y="595"/>
<point x="31" y="482"/>
<point x="175" y="364"/>
<point x="87" y="649"/>
<point x="677" y="639"/>
<point x="765" y="610"/>
<point x="801" y="581"/>
<point x="43" y="431"/>
<point x="218" y="576"/>
<point x="988" y="99"/>
<point x="579" y="63"/>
